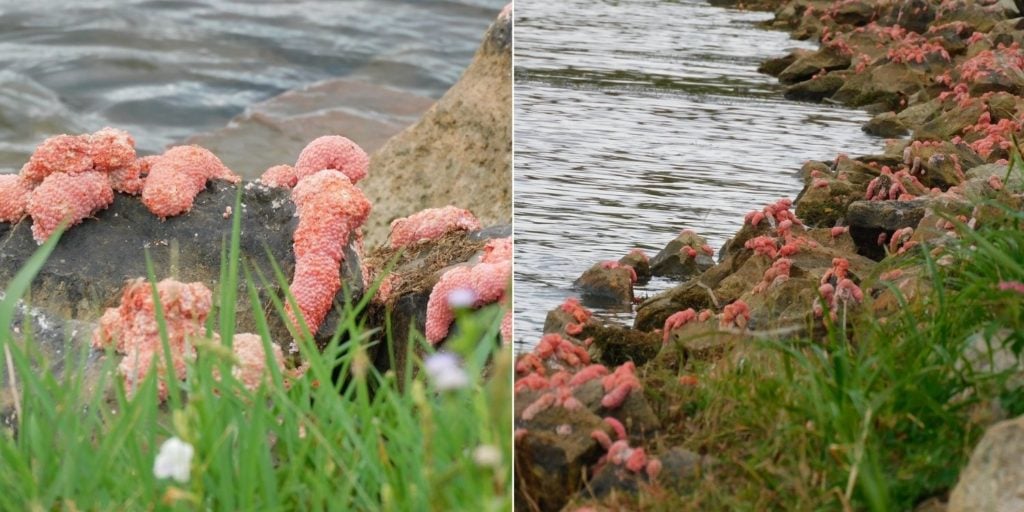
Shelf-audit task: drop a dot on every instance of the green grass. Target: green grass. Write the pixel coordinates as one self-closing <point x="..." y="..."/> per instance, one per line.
<point x="879" y="415"/>
<point x="880" y="412"/>
<point x="357" y="442"/>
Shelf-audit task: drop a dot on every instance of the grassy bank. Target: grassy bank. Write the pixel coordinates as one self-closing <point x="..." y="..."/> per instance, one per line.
<point x="342" y="437"/>
<point x="881" y="414"/>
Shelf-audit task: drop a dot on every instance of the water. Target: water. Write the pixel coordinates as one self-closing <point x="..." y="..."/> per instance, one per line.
<point x="168" y="69"/>
<point x="636" y="119"/>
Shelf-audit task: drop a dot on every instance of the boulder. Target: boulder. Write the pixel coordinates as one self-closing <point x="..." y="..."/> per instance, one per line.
<point x="615" y="344"/>
<point x="888" y="84"/>
<point x="550" y="465"/>
<point x="681" y="468"/>
<point x="89" y="267"/>
<point x="950" y="122"/>
<point x="994" y="477"/>
<point x="886" y="215"/>
<point x="807" y="65"/>
<point x="777" y="65"/>
<point x="605" y="285"/>
<point x="652" y="313"/>
<point x="459" y="153"/>
<point x="886" y="124"/>
<point x="635" y="413"/>
<point x="817" y="88"/>
<point x="826" y="205"/>
<point x="414" y="272"/>
<point x="683" y="257"/>
<point x="640" y="263"/>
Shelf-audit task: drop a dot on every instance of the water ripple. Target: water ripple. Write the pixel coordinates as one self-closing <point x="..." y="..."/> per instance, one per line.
<point x="637" y="119"/>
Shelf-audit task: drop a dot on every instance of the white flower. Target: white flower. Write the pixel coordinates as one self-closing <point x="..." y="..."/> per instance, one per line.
<point x="487" y="455"/>
<point x="461" y="298"/>
<point x="174" y="460"/>
<point x="445" y="372"/>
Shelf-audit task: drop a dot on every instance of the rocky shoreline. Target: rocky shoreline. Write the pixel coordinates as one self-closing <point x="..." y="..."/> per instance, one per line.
<point x="590" y="415"/>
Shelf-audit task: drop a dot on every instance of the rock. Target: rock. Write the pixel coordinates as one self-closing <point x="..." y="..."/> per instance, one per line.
<point x="603" y="285"/>
<point x="459" y="153"/>
<point x="777" y="65"/>
<point x="1004" y="105"/>
<point x="993" y="353"/>
<point x="616" y="344"/>
<point x="950" y="122"/>
<point x="415" y="271"/>
<point x="916" y="115"/>
<point x="978" y="186"/>
<point x="89" y="267"/>
<point x="888" y="84"/>
<point x="817" y="88"/>
<point x="808" y="65"/>
<point x="701" y="341"/>
<point x="683" y="257"/>
<point x="825" y="206"/>
<point x="61" y="340"/>
<point x="974" y="15"/>
<point x="652" y="313"/>
<point x="855" y="13"/>
<point x="612" y="478"/>
<point x="640" y="263"/>
<point x="994" y="477"/>
<point x="681" y="469"/>
<point x="550" y="466"/>
<point x="886" y="215"/>
<point x="943" y="166"/>
<point x="635" y="413"/>
<point x="786" y="304"/>
<point x="887" y="124"/>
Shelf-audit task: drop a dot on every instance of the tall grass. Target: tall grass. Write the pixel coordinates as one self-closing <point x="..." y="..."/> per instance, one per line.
<point x="343" y="437"/>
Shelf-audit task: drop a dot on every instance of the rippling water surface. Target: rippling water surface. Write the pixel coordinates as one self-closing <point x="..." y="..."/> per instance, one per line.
<point x="166" y="69"/>
<point x="636" y="119"/>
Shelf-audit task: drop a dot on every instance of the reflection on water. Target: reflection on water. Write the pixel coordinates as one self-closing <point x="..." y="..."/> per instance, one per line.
<point x="637" y="119"/>
<point x="167" y="69"/>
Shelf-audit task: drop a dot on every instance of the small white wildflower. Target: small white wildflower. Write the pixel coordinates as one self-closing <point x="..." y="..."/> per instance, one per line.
<point x="174" y="460"/>
<point x="461" y="298"/>
<point x="445" y="372"/>
<point x="487" y="455"/>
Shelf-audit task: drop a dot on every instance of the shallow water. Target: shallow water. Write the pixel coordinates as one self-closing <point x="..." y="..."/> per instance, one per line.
<point x="168" y="69"/>
<point x="636" y="119"/>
